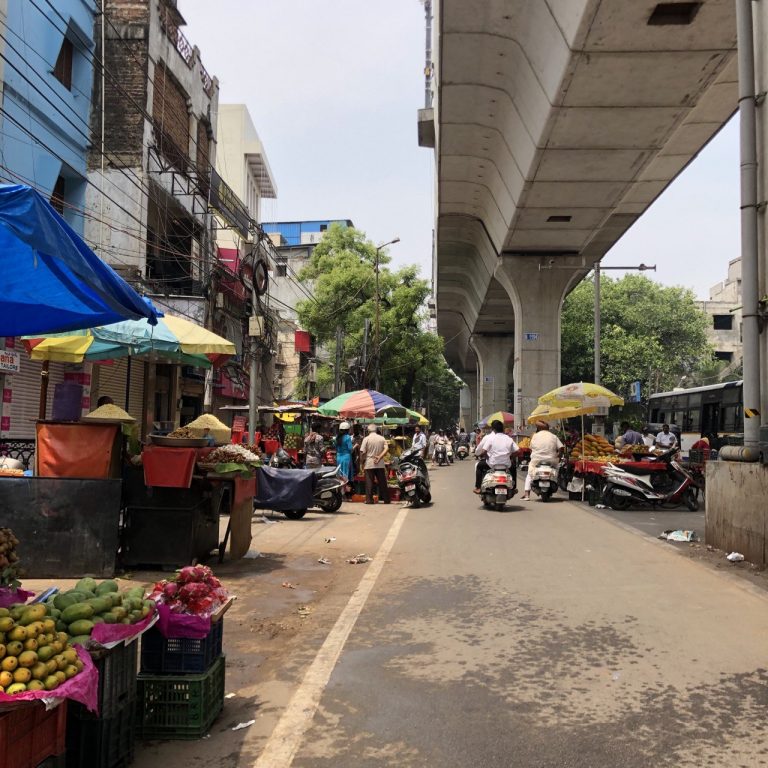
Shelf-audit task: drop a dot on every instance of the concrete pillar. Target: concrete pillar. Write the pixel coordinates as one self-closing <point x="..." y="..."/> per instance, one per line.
<point x="536" y="287"/>
<point x="493" y="353"/>
<point x="468" y="402"/>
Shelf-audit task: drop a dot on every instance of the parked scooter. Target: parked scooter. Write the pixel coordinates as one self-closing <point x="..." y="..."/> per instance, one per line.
<point x="329" y="490"/>
<point x="498" y="485"/>
<point x="625" y="487"/>
<point x="462" y="451"/>
<point x="544" y="480"/>
<point x="413" y="478"/>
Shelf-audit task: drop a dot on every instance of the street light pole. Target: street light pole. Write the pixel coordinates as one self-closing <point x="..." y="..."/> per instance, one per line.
<point x="377" y="328"/>
<point x="598" y="270"/>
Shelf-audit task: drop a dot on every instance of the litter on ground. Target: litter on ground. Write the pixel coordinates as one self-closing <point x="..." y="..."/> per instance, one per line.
<point x="735" y="557"/>
<point x="361" y="558"/>
<point x="678" y="535"/>
<point x="240" y="726"/>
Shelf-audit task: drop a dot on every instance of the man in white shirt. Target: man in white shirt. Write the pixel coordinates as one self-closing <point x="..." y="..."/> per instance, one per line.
<point x="419" y="441"/>
<point x="666" y="439"/>
<point x="495" y="451"/>
<point x="545" y="448"/>
<point x="648" y="439"/>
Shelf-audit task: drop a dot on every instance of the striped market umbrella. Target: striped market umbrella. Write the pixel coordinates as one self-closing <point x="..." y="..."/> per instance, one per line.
<point x="362" y="404"/>
<point x="173" y="338"/>
<point x="505" y="417"/>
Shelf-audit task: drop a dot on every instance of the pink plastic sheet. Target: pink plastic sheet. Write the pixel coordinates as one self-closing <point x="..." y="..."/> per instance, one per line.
<point x="106" y="634"/>
<point x="182" y="625"/>
<point x="9" y="597"/>
<point x="83" y="687"/>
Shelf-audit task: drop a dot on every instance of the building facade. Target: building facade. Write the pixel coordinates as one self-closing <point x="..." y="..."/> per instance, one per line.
<point x="724" y="310"/>
<point x="46" y="81"/>
<point x="150" y="164"/>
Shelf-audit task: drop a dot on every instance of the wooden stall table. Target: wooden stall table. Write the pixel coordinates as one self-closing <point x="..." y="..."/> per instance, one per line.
<point x="241" y="493"/>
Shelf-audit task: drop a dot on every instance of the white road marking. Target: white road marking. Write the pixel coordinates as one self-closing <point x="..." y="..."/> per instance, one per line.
<point x="284" y="743"/>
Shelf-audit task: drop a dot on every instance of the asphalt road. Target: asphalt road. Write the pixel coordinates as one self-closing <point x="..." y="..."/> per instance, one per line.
<point x="544" y="636"/>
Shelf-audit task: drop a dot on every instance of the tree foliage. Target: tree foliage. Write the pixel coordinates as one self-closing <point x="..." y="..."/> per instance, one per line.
<point x="650" y="333"/>
<point x="342" y="268"/>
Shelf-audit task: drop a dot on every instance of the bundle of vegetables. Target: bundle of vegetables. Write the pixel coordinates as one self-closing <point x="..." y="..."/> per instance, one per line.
<point x="10" y="570"/>
<point x="195" y="591"/>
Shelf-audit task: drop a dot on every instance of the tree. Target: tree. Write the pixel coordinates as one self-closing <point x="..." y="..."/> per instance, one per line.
<point x="650" y="333"/>
<point x="342" y="268"/>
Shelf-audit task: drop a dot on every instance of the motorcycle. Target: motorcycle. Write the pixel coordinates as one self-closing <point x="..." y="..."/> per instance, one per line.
<point x="441" y="455"/>
<point x="449" y="453"/>
<point x="413" y="478"/>
<point x="329" y="490"/>
<point x="671" y="486"/>
<point x="462" y="452"/>
<point x="544" y="480"/>
<point x="498" y="485"/>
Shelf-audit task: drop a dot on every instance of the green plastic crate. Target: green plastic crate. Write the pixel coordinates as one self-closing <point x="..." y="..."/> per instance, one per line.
<point x="179" y="706"/>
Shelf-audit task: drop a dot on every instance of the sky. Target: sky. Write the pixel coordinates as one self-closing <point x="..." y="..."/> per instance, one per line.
<point x="333" y="88"/>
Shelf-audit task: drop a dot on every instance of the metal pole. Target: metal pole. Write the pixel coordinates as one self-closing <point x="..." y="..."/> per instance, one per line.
<point x="597" y="323"/>
<point x="253" y="398"/>
<point x="364" y="355"/>
<point x="749" y="243"/>
<point x="43" y="406"/>
<point x="339" y="350"/>
<point x="377" y="329"/>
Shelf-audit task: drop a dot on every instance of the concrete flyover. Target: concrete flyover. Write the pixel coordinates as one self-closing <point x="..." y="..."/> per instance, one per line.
<point x="555" y="124"/>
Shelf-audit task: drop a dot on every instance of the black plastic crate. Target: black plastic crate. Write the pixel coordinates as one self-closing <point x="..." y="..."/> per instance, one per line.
<point x="117" y="669"/>
<point x="102" y="743"/>
<point x="180" y="706"/>
<point x="180" y="656"/>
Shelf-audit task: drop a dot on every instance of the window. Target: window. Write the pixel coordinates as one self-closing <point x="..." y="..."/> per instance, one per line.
<point x="281" y="269"/>
<point x="722" y="322"/>
<point x="57" y="196"/>
<point x="62" y="71"/>
<point x="726" y="357"/>
<point x="323" y="227"/>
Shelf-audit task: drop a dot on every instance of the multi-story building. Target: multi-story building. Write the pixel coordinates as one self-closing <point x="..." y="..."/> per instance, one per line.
<point x="724" y="309"/>
<point x="46" y="81"/>
<point x="241" y="162"/>
<point x="294" y="242"/>
<point x="153" y="149"/>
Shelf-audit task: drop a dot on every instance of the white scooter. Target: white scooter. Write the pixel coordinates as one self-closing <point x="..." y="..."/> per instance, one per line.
<point x="449" y="452"/>
<point x="462" y="451"/>
<point x="497" y="487"/>
<point x="544" y="480"/>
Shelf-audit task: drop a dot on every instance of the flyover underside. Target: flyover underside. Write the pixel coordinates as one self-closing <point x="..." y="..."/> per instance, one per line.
<point x="558" y="123"/>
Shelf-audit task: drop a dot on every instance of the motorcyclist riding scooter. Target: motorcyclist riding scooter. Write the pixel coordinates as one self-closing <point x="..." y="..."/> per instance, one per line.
<point x="546" y="450"/>
<point x="462" y="445"/>
<point x="493" y="479"/>
<point x="441" y="449"/>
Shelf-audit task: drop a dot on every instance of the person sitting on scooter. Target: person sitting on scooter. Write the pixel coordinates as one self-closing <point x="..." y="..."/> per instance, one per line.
<point x="494" y="450"/>
<point x="463" y="438"/>
<point x="441" y="444"/>
<point x="545" y="448"/>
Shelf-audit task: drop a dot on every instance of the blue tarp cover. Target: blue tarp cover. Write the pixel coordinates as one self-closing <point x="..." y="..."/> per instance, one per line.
<point x="50" y="280"/>
<point x="283" y="489"/>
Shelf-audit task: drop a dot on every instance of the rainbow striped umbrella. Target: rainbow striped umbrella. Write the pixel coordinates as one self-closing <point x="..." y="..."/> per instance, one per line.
<point x="363" y="404"/>
<point x="505" y="417"/>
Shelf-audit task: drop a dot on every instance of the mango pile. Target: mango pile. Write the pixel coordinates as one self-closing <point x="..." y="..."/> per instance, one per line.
<point x="524" y="442"/>
<point x="33" y="655"/>
<point x="596" y="448"/>
<point x="77" y="611"/>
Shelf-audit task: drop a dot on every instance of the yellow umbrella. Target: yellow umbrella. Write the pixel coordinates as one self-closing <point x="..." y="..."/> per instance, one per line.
<point x="552" y="413"/>
<point x="581" y="393"/>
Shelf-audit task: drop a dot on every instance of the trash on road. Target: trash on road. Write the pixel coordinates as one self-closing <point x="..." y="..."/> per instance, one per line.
<point x="230" y="696"/>
<point x="600" y="506"/>
<point x="288" y="585"/>
<point x="735" y="557"/>
<point x="304" y="610"/>
<point x="252" y="555"/>
<point x="266" y="520"/>
<point x="361" y="558"/>
<point x="672" y="535"/>
<point x="324" y="560"/>
<point x="240" y="726"/>
<point x="330" y="539"/>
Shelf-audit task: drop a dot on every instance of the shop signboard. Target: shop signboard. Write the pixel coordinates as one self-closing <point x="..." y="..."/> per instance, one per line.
<point x="10" y="361"/>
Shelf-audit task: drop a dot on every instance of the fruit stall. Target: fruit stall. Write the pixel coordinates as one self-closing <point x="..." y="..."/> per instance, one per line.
<point x="113" y="663"/>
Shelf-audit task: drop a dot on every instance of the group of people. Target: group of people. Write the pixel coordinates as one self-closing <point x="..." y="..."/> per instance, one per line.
<point x="497" y="450"/>
<point x="665" y="439"/>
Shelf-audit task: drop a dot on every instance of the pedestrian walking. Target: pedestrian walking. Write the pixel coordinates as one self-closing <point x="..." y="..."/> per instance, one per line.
<point x="372" y="451"/>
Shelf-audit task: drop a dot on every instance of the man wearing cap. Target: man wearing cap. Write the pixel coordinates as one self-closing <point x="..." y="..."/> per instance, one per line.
<point x="545" y="448"/>
<point x="372" y="452"/>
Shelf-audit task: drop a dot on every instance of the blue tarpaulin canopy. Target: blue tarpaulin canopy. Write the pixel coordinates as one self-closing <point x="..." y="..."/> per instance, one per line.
<point x="50" y="280"/>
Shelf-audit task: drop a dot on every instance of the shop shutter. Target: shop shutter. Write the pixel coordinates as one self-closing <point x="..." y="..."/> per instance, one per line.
<point x="25" y="403"/>
<point x="111" y="379"/>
